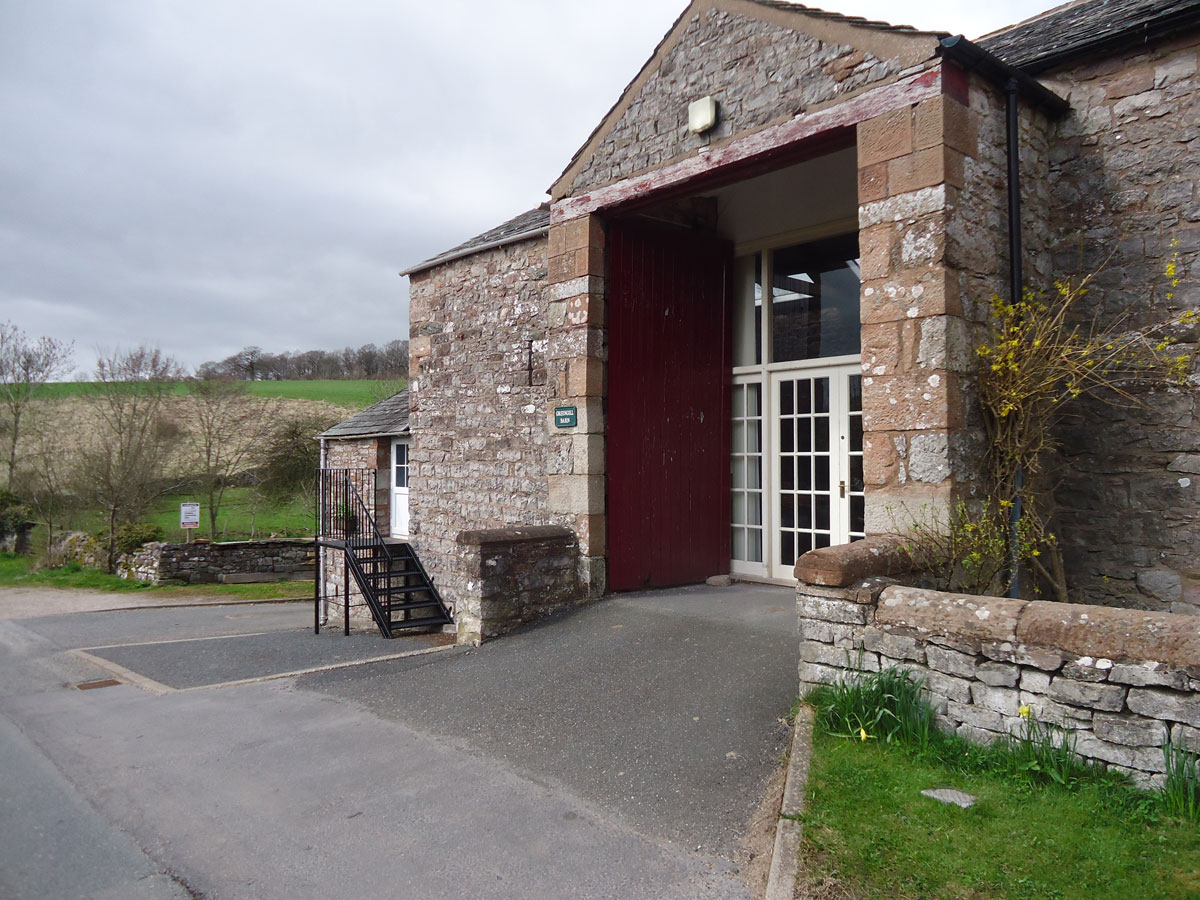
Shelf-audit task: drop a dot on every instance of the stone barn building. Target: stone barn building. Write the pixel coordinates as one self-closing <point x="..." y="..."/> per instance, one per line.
<point x="744" y="325"/>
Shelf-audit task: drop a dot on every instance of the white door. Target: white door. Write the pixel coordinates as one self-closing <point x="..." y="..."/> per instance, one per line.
<point x="400" y="488"/>
<point x="797" y="461"/>
<point x="817" y="492"/>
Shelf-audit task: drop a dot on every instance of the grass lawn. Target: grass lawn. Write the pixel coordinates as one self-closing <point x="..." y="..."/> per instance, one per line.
<point x="349" y="393"/>
<point x="868" y="833"/>
<point x="15" y="571"/>
<point x="238" y="512"/>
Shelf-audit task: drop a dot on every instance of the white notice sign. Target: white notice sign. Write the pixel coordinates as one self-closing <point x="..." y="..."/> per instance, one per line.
<point x="189" y="515"/>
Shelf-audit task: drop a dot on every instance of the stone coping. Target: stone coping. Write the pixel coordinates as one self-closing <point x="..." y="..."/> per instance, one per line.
<point x="254" y="542"/>
<point x="847" y="564"/>
<point x="1099" y="632"/>
<point x="512" y="535"/>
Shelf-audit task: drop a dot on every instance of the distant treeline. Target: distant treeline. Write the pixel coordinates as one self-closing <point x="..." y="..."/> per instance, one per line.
<point x="367" y="361"/>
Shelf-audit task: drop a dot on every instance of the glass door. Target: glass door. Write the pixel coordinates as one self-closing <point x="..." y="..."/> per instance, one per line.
<point x="797" y="454"/>
<point x="817" y="490"/>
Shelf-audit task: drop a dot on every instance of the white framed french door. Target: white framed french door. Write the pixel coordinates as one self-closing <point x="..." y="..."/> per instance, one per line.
<point x="815" y="444"/>
<point x="797" y="466"/>
<point x="399" y="488"/>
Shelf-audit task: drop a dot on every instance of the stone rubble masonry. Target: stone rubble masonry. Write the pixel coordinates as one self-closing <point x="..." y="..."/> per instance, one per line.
<point x="516" y="576"/>
<point x="576" y="361"/>
<point x="1123" y="681"/>
<point x="932" y="216"/>
<point x="758" y="72"/>
<point x="1124" y="182"/>
<point x="479" y="389"/>
<point x="201" y="562"/>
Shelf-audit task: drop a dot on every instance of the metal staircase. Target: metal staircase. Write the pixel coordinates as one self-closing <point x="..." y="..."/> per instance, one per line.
<point x="394" y="584"/>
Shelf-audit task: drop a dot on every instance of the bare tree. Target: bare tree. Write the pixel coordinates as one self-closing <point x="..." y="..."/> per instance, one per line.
<point x="227" y="426"/>
<point x="25" y="365"/>
<point x="47" y="474"/>
<point x="122" y="470"/>
<point x="395" y="359"/>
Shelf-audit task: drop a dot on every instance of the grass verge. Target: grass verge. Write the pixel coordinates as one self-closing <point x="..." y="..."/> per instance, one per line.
<point x="16" y="571"/>
<point x="1045" y="826"/>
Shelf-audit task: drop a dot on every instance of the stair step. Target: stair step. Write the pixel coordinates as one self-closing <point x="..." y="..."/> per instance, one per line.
<point x="414" y="607"/>
<point x="415" y="604"/>
<point x="431" y="622"/>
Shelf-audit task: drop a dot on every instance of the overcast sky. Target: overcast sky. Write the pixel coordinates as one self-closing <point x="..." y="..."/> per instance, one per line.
<point x="208" y="175"/>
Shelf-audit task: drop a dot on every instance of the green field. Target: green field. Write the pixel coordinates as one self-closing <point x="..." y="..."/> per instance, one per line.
<point x="237" y="517"/>
<point x="342" y="393"/>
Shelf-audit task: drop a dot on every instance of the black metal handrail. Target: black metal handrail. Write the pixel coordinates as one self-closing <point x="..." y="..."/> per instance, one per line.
<point x="345" y="521"/>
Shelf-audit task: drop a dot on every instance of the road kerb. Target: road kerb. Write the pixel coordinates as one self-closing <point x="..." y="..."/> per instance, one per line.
<point x="785" y="863"/>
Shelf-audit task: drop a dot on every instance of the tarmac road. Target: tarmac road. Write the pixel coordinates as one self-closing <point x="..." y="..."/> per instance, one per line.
<point x="617" y="752"/>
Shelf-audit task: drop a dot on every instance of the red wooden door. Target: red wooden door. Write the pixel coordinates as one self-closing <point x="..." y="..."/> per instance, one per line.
<point x="668" y="406"/>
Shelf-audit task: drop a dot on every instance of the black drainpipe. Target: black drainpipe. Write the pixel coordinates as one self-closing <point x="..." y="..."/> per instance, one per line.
<point x="1015" y="84"/>
<point x="1016" y="289"/>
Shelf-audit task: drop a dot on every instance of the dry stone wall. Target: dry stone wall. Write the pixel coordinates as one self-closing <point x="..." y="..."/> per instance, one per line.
<point x="230" y="562"/>
<point x="479" y="451"/>
<point x="757" y="71"/>
<point x="1124" y="175"/>
<point x="1122" y="681"/>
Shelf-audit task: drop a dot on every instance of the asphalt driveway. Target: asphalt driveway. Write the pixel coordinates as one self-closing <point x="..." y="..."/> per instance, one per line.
<point x="620" y="751"/>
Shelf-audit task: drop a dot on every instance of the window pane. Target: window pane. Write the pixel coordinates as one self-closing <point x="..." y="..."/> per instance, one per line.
<point x="747" y="317"/>
<point x="814" y="300"/>
<point x="753" y="399"/>
<point x="821" y="427"/>
<point x="754" y="545"/>
<point x="739" y="543"/>
<point x="754" y="508"/>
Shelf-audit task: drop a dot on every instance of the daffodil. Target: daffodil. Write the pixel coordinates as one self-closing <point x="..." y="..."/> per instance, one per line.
<point x="1024" y="712"/>
<point x="862" y="735"/>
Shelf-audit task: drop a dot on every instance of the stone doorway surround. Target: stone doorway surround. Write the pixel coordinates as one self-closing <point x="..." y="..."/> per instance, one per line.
<point x="929" y="147"/>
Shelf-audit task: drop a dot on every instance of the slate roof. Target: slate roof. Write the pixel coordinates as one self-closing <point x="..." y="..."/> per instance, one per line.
<point x="528" y="224"/>
<point x="1077" y="28"/>
<point x="386" y="417"/>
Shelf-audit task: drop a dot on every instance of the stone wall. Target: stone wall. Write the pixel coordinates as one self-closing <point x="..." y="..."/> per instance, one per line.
<point x="231" y="562"/>
<point x="757" y="71"/>
<point x="478" y="393"/>
<point x="933" y="242"/>
<point x="1122" y="681"/>
<point x="366" y="453"/>
<point x="1125" y="180"/>
<point x="516" y="576"/>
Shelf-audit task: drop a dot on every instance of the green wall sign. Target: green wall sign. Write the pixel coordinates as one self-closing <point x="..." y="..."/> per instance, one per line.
<point x="566" y="416"/>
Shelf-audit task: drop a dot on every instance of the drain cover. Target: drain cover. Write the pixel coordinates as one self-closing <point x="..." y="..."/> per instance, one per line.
<point x="92" y="685"/>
